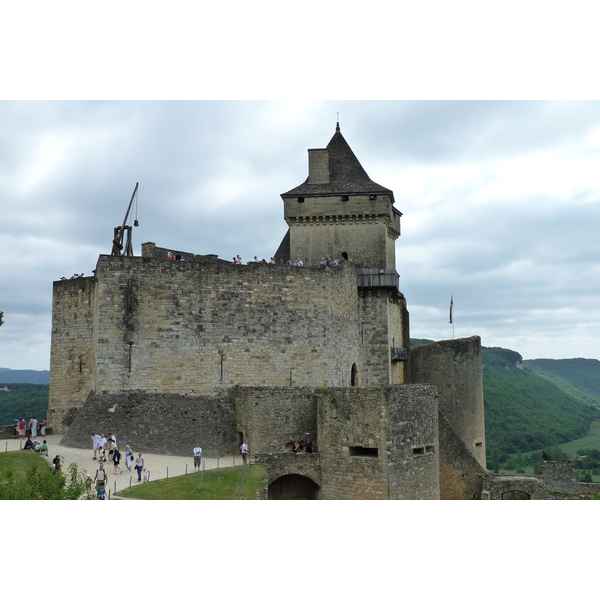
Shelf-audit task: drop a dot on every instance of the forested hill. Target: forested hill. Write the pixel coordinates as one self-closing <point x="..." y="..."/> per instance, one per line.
<point x="523" y="410"/>
<point x="579" y="377"/>
<point x="24" y="376"/>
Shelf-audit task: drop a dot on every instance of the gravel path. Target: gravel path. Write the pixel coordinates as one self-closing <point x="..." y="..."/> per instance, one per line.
<point x="159" y="465"/>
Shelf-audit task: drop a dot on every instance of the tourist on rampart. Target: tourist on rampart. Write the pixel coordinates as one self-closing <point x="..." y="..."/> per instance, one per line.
<point x="44" y="448"/>
<point x="146" y="475"/>
<point x="28" y="443"/>
<point x="139" y="465"/>
<point x="43" y="427"/>
<point x="197" y="455"/>
<point x="56" y="463"/>
<point x="33" y="425"/>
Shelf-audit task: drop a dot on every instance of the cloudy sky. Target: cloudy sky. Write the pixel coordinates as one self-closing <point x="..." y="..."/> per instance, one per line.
<point x="501" y="203"/>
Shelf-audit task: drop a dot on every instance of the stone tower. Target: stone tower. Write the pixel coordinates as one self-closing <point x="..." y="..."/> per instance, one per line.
<point x="339" y="211"/>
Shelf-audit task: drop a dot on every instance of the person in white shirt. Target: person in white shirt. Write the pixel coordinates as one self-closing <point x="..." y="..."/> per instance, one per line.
<point x="197" y="455"/>
<point x="95" y="444"/>
<point x="245" y="450"/>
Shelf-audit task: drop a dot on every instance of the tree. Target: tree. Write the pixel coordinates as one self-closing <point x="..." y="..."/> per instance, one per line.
<point x="43" y="484"/>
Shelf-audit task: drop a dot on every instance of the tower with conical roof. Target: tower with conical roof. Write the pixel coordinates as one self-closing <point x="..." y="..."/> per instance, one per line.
<point x="339" y="211"/>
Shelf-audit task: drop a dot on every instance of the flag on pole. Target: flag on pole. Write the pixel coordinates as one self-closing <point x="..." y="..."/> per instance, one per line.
<point x="451" y="304"/>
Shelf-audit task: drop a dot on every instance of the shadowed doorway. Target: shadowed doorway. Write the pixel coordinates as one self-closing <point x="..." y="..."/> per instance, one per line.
<point x="293" y="487"/>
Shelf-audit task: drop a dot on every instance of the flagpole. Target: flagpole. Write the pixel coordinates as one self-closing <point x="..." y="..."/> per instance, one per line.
<point x="451" y="313"/>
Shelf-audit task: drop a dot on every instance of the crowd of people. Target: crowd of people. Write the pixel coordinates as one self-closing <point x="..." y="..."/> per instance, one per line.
<point x="33" y="424"/>
<point x="32" y="443"/>
<point x="106" y="451"/>
<point x="237" y="260"/>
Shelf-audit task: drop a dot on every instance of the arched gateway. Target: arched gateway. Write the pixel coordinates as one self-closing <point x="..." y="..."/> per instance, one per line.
<point x="293" y="487"/>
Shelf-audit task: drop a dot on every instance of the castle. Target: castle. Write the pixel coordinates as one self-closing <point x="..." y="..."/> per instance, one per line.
<point x="168" y="352"/>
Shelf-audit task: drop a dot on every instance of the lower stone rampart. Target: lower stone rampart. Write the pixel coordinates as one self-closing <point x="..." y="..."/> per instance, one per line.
<point x="461" y="476"/>
<point x="556" y="481"/>
<point x="158" y="423"/>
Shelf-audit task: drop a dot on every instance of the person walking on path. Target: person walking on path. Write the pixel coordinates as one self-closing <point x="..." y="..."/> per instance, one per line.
<point x="128" y="458"/>
<point x="139" y="465"/>
<point x="245" y="450"/>
<point x="101" y="478"/>
<point x="197" y="455"/>
<point x="95" y="444"/>
<point x="117" y="460"/>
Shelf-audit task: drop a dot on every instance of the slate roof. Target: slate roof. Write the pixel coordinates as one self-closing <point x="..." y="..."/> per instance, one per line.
<point x="346" y="174"/>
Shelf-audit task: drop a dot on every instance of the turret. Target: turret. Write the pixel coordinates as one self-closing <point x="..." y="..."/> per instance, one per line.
<point x="339" y="211"/>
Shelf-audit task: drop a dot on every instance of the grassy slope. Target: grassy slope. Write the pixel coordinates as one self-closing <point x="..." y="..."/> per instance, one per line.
<point x="524" y="411"/>
<point x="216" y="484"/>
<point x="23" y="400"/>
<point x="579" y="377"/>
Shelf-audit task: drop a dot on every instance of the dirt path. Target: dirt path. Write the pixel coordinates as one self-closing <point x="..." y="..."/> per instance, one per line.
<point x="159" y="465"/>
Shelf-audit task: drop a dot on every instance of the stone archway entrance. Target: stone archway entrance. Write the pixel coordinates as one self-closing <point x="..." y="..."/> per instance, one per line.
<point x="293" y="487"/>
<point x="516" y="495"/>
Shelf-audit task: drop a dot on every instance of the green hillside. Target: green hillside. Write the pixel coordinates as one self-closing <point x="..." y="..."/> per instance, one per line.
<point x="579" y="377"/>
<point x="525" y="411"/>
<point x="22" y="400"/>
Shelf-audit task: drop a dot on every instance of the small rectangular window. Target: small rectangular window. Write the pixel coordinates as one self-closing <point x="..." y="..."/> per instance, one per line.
<point x="362" y="451"/>
<point x="344" y="198"/>
<point x="419" y="451"/>
<point x="300" y="200"/>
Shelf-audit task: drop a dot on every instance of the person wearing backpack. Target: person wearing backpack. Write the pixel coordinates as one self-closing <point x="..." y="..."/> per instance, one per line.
<point x="117" y="460"/>
<point x="101" y="478"/>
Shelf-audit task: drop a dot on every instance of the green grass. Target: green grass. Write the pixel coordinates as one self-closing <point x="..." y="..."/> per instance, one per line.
<point x="216" y="484"/>
<point x="588" y="442"/>
<point x="19" y="462"/>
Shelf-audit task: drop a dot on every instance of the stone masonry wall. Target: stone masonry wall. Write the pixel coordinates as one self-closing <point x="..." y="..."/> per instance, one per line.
<point x="455" y="368"/>
<point x="379" y="443"/>
<point x="461" y="476"/>
<point x="72" y="359"/>
<point x="158" y="423"/>
<point x="371" y="443"/>
<point x="197" y="327"/>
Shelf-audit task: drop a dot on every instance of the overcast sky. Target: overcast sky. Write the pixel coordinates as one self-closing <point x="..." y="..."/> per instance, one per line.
<point x="501" y="203"/>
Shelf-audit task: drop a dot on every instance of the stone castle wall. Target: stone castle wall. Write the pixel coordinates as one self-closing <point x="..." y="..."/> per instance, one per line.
<point x="197" y="327"/>
<point x="72" y="356"/>
<point x="371" y="443"/>
<point x="455" y="368"/>
<point x="326" y="226"/>
<point x="158" y="423"/>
